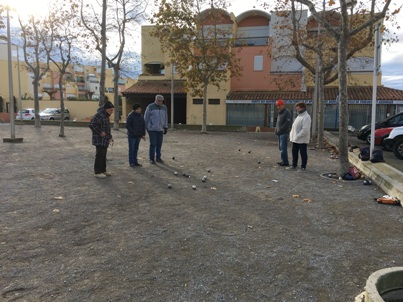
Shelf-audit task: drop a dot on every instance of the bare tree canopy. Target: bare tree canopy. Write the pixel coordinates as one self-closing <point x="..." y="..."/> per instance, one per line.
<point x="37" y="38"/>
<point x="108" y="35"/>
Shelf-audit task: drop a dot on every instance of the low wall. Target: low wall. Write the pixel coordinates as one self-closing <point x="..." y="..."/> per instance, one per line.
<point x="79" y="110"/>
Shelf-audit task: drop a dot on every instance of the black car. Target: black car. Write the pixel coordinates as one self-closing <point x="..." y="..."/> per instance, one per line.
<point x="394" y="121"/>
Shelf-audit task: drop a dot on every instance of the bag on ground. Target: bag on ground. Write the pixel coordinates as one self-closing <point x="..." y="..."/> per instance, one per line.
<point x="352" y="174"/>
<point x="377" y="156"/>
<point x="364" y="153"/>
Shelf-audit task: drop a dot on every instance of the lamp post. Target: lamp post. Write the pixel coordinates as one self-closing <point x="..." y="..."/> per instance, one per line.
<point x="12" y="139"/>
<point x="377" y="67"/>
<point x="19" y="82"/>
<point x="172" y="94"/>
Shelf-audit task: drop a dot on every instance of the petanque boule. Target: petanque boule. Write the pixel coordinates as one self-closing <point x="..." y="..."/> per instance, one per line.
<point x="169" y="186"/>
<point x="194" y="187"/>
<point x="173" y="157"/>
<point x="176" y="173"/>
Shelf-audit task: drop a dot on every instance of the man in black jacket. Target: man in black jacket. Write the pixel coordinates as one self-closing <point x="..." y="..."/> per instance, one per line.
<point x="136" y="130"/>
<point x="283" y="127"/>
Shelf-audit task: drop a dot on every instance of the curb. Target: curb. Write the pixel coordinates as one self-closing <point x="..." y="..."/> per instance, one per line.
<point x="389" y="179"/>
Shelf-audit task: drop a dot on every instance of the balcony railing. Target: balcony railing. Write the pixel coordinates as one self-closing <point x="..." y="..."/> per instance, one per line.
<point x="252" y="41"/>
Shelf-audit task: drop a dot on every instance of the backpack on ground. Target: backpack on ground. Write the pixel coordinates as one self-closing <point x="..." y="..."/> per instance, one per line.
<point x="364" y="153"/>
<point x="352" y="174"/>
<point x="377" y="156"/>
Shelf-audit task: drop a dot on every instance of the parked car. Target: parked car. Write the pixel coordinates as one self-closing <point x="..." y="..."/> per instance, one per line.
<point x="50" y="114"/>
<point x="381" y="134"/>
<point x="394" y="121"/>
<point x="27" y="114"/>
<point x="395" y="141"/>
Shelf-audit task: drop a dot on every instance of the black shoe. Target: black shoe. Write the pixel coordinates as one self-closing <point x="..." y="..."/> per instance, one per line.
<point x="137" y="165"/>
<point x="159" y="160"/>
<point x="152" y="162"/>
<point x="279" y="163"/>
<point x="283" y="164"/>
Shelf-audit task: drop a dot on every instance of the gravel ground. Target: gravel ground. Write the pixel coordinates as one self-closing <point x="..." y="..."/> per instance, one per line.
<point x="252" y="232"/>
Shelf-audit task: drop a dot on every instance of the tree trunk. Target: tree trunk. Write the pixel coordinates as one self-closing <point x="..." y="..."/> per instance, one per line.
<point x="343" y="102"/>
<point x="204" y="122"/>
<point x="116" y="97"/>
<point x="103" y="55"/>
<point x="36" y="104"/>
<point x="61" y="133"/>
<point x="321" y="110"/>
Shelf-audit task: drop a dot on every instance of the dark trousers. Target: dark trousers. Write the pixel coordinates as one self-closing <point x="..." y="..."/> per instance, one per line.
<point x="282" y="146"/>
<point x="134" y="143"/>
<point x="156" y="138"/>
<point x="100" y="160"/>
<point x="302" y="149"/>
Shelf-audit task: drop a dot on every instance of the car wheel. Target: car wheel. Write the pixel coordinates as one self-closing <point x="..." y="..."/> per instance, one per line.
<point x="368" y="137"/>
<point x="398" y="148"/>
<point x="51" y="119"/>
<point x="32" y="118"/>
<point x="66" y="118"/>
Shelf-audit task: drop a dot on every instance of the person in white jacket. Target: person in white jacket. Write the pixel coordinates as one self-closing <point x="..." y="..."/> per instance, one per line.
<point x="300" y="136"/>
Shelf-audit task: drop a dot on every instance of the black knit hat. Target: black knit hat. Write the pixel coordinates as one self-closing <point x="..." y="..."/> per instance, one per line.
<point x="108" y="105"/>
<point x="136" y="106"/>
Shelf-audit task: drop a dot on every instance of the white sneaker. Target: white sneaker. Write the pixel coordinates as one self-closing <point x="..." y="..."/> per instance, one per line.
<point x="108" y="173"/>
<point x="100" y="175"/>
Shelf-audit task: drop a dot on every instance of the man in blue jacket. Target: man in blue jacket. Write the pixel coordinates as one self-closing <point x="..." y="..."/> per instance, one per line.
<point x="156" y="119"/>
<point x="101" y="138"/>
<point x="135" y="131"/>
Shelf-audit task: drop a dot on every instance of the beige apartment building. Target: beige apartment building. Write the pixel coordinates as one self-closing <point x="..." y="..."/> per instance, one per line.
<point x="270" y="72"/>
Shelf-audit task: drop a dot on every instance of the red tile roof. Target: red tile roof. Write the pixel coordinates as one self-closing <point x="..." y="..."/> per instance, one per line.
<point x="155" y="87"/>
<point x="354" y="93"/>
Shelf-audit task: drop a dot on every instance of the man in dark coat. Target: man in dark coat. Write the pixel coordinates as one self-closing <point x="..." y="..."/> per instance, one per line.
<point x="101" y="138"/>
<point x="136" y="130"/>
<point x="283" y="127"/>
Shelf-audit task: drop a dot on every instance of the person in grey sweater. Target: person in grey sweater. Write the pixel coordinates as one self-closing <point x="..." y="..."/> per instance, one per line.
<point x="300" y="136"/>
<point x="156" y="119"/>
<point x="283" y="127"/>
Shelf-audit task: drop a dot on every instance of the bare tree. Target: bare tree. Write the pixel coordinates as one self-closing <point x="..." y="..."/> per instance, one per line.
<point x="344" y="34"/>
<point x="198" y="37"/>
<point x="37" y="36"/>
<point x="2" y="10"/>
<point x="96" y="30"/>
<point x="126" y="12"/>
<point x="65" y="24"/>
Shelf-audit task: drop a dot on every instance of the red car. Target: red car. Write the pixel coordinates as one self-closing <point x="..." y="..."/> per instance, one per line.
<point x="381" y="134"/>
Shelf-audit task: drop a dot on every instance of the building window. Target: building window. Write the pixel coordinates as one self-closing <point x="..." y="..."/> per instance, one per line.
<point x="258" y="63"/>
<point x="197" y="101"/>
<point x="214" y="101"/>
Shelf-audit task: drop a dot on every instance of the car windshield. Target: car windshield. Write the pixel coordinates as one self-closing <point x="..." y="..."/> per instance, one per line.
<point x="49" y="110"/>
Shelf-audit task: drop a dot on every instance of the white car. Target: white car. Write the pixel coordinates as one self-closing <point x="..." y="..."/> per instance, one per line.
<point x="395" y="141"/>
<point x="50" y="114"/>
<point x="27" y="114"/>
